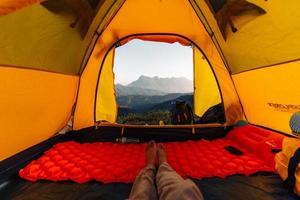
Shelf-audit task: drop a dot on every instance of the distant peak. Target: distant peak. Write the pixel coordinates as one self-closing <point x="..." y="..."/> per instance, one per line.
<point x="144" y="77"/>
<point x="164" y="84"/>
<point x="157" y="77"/>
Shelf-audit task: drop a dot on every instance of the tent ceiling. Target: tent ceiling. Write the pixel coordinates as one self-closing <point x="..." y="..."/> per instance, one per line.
<point x="54" y="36"/>
<point x="260" y="40"/>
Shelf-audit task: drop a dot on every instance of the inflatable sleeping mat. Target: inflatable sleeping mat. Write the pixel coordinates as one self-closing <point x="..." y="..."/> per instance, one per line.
<point x="244" y="150"/>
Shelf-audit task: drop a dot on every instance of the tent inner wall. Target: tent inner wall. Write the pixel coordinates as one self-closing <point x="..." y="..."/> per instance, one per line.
<point x="41" y="36"/>
<point x="206" y="91"/>
<point x="270" y="95"/>
<point x="261" y="39"/>
<point x="55" y="36"/>
<point x="35" y="105"/>
<point x="106" y="107"/>
<point x="263" y="56"/>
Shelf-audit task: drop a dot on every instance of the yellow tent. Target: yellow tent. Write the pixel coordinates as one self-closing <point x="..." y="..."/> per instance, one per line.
<point x="57" y="55"/>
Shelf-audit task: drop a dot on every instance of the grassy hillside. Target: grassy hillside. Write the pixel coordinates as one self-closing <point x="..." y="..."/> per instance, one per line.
<point x="141" y="103"/>
<point x="150" y="118"/>
<point x="148" y="109"/>
<point x="148" y="99"/>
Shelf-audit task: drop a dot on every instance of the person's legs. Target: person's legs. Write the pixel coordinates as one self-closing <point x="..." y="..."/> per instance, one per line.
<point x="171" y="185"/>
<point x="144" y="184"/>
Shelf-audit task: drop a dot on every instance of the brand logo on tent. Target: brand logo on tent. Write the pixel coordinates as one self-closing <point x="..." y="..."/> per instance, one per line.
<point x="284" y="107"/>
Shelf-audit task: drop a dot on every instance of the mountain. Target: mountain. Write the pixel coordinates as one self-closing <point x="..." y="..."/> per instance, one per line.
<point x="122" y="90"/>
<point x="166" y="105"/>
<point x="152" y="94"/>
<point x="167" y="85"/>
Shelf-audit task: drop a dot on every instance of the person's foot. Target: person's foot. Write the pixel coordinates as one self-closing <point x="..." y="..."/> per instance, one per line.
<point x="162" y="155"/>
<point x="150" y="153"/>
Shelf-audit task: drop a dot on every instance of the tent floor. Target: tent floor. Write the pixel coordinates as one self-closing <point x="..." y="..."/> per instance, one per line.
<point x="259" y="187"/>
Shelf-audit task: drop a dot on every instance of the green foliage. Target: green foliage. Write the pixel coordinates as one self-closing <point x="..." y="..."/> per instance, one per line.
<point x="143" y="103"/>
<point x="150" y="118"/>
<point x="141" y="110"/>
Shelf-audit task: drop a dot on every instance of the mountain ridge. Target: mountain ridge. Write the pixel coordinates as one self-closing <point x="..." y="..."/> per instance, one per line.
<point x="150" y="86"/>
<point x="122" y="90"/>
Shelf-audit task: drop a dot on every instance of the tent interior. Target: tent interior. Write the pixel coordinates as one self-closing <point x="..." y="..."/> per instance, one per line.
<point x="57" y="82"/>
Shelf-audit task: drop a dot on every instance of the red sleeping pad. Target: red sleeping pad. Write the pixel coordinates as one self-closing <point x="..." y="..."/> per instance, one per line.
<point x="110" y="162"/>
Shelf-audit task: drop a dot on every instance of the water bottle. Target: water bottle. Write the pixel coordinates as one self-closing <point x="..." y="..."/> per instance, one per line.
<point x="124" y="140"/>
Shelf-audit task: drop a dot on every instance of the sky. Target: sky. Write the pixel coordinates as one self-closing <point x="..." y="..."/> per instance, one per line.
<point x="138" y="58"/>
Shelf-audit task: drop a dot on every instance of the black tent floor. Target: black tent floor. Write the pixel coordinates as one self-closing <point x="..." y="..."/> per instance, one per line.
<point x="238" y="187"/>
<point x="261" y="186"/>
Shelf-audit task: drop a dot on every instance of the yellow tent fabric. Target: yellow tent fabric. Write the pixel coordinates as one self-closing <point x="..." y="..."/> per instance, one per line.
<point x="9" y="6"/>
<point x="256" y="67"/>
<point x="258" y="42"/>
<point x="268" y="39"/>
<point x="270" y="95"/>
<point x="34" y="106"/>
<point x="206" y="91"/>
<point x="106" y="105"/>
<point x="34" y="37"/>
<point x="90" y="87"/>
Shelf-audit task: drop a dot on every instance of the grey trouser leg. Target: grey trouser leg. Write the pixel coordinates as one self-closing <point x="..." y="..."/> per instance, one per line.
<point x="171" y="186"/>
<point x="144" y="185"/>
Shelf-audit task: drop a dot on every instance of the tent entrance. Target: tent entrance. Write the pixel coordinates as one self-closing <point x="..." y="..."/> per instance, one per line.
<point x="111" y="101"/>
